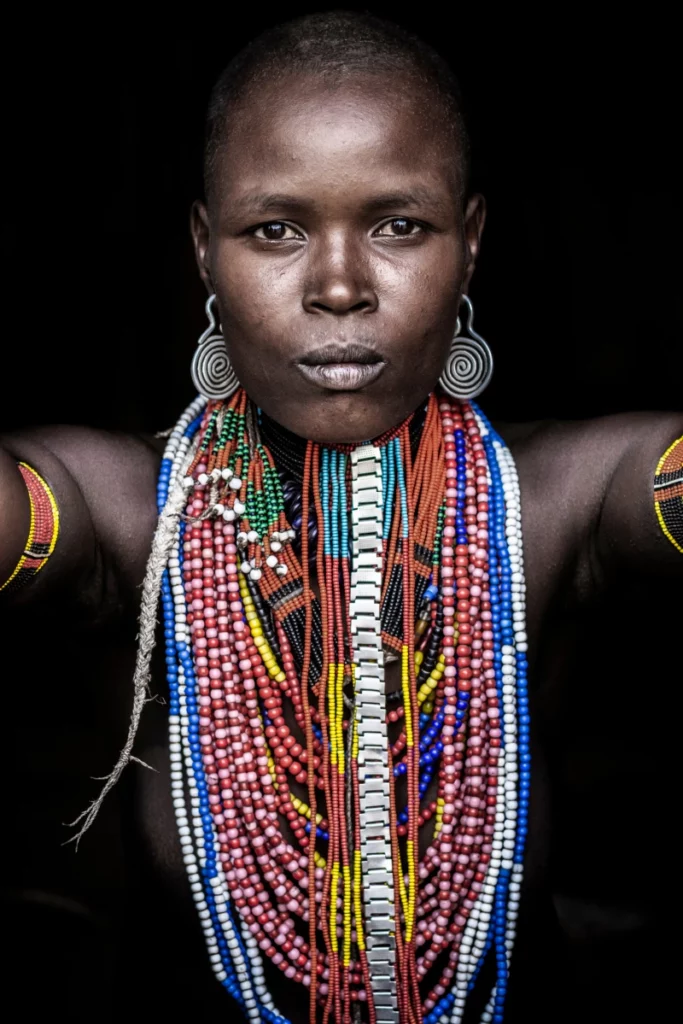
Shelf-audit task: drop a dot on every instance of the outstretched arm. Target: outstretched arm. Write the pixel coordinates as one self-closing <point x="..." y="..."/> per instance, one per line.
<point x="75" y="551"/>
<point x="103" y="486"/>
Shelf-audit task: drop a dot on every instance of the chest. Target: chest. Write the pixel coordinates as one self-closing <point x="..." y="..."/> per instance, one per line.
<point x="484" y="779"/>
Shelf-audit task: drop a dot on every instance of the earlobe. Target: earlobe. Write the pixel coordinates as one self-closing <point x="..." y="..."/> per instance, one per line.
<point x="201" y="234"/>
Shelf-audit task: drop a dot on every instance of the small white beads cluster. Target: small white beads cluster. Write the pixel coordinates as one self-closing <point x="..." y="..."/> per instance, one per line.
<point x="251" y="567"/>
<point x="227" y="504"/>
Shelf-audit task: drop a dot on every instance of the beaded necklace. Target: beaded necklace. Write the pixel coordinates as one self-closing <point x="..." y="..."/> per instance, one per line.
<point x="299" y="817"/>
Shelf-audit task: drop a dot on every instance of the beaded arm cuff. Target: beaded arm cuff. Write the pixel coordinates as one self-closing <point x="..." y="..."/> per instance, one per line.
<point x="669" y="493"/>
<point x="43" y="530"/>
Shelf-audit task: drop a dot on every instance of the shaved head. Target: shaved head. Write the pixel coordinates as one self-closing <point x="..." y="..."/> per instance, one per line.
<point x="336" y="47"/>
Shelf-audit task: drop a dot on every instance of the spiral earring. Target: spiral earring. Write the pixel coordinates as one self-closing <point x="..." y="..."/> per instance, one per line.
<point x="469" y="366"/>
<point x="212" y="372"/>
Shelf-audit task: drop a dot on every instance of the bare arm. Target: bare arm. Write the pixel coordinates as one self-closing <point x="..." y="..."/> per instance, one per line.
<point x="588" y="506"/>
<point x="629" y="535"/>
<point x="104" y="487"/>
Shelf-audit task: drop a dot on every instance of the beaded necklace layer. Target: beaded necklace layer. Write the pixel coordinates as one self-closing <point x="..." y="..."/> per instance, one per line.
<point x="369" y="847"/>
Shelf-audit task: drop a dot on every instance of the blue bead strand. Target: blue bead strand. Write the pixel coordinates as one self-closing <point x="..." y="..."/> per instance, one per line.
<point x="501" y="610"/>
<point x="523" y="717"/>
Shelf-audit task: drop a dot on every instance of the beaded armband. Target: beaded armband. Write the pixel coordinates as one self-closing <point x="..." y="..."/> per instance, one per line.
<point x="43" y="531"/>
<point x="669" y="493"/>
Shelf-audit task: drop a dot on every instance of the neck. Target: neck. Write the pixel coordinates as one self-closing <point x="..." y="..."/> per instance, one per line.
<point x="289" y="450"/>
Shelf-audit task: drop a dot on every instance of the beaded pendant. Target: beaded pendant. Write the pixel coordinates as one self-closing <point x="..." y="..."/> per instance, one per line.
<point x="369" y="844"/>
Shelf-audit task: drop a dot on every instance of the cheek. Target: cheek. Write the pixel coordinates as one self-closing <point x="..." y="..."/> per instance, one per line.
<point x="258" y="310"/>
<point x="422" y="359"/>
<point x="423" y="307"/>
<point x="253" y="294"/>
<point x="425" y="283"/>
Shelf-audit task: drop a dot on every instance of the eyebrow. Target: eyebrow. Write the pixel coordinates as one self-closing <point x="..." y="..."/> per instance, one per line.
<point x="262" y="203"/>
<point x="417" y="196"/>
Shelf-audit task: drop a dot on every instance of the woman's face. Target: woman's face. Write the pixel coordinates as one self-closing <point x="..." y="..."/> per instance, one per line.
<point x="338" y="247"/>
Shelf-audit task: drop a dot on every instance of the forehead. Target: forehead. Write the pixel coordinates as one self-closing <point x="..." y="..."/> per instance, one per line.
<point x="307" y="132"/>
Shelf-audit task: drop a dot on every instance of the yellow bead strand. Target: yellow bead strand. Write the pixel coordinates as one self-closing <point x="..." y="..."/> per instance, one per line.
<point x="438" y="815"/>
<point x="432" y="681"/>
<point x="269" y="660"/>
<point x="334" y="893"/>
<point x="412" y="890"/>
<point x="346" y="949"/>
<point x="257" y="633"/>
<point x="339" y="707"/>
<point x="358" y="908"/>
<point x="405" y="686"/>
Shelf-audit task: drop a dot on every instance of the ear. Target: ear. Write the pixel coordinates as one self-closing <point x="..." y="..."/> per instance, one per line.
<point x="475" y="217"/>
<point x="201" y="236"/>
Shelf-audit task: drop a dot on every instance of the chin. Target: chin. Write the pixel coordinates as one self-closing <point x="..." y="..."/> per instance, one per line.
<point x="349" y="417"/>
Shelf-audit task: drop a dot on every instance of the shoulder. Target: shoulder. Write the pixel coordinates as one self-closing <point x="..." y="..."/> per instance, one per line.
<point x="588" y="488"/>
<point x="108" y="467"/>
<point x="582" y="456"/>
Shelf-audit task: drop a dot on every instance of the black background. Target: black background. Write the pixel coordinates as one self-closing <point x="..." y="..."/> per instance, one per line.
<point x="575" y="116"/>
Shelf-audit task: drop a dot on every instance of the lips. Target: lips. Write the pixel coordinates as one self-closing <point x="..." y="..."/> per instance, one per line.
<point x="341" y="367"/>
<point x="342" y="376"/>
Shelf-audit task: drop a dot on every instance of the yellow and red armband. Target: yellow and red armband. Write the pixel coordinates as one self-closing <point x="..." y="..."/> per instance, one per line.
<point x="43" y="531"/>
<point x="669" y="493"/>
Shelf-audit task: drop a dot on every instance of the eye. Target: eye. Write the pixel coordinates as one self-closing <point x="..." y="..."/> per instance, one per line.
<point x="275" y="231"/>
<point x="399" y="227"/>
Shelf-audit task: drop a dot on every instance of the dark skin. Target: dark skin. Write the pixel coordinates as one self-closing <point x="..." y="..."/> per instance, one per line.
<point x="375" y="248"/>
<point x="374" y="245"/>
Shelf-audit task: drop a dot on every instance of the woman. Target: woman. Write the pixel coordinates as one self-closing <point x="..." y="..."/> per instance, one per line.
<point x="342" y="532"/>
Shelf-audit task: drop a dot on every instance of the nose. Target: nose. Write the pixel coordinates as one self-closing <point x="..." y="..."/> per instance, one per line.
<point x="339" y="282"/>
